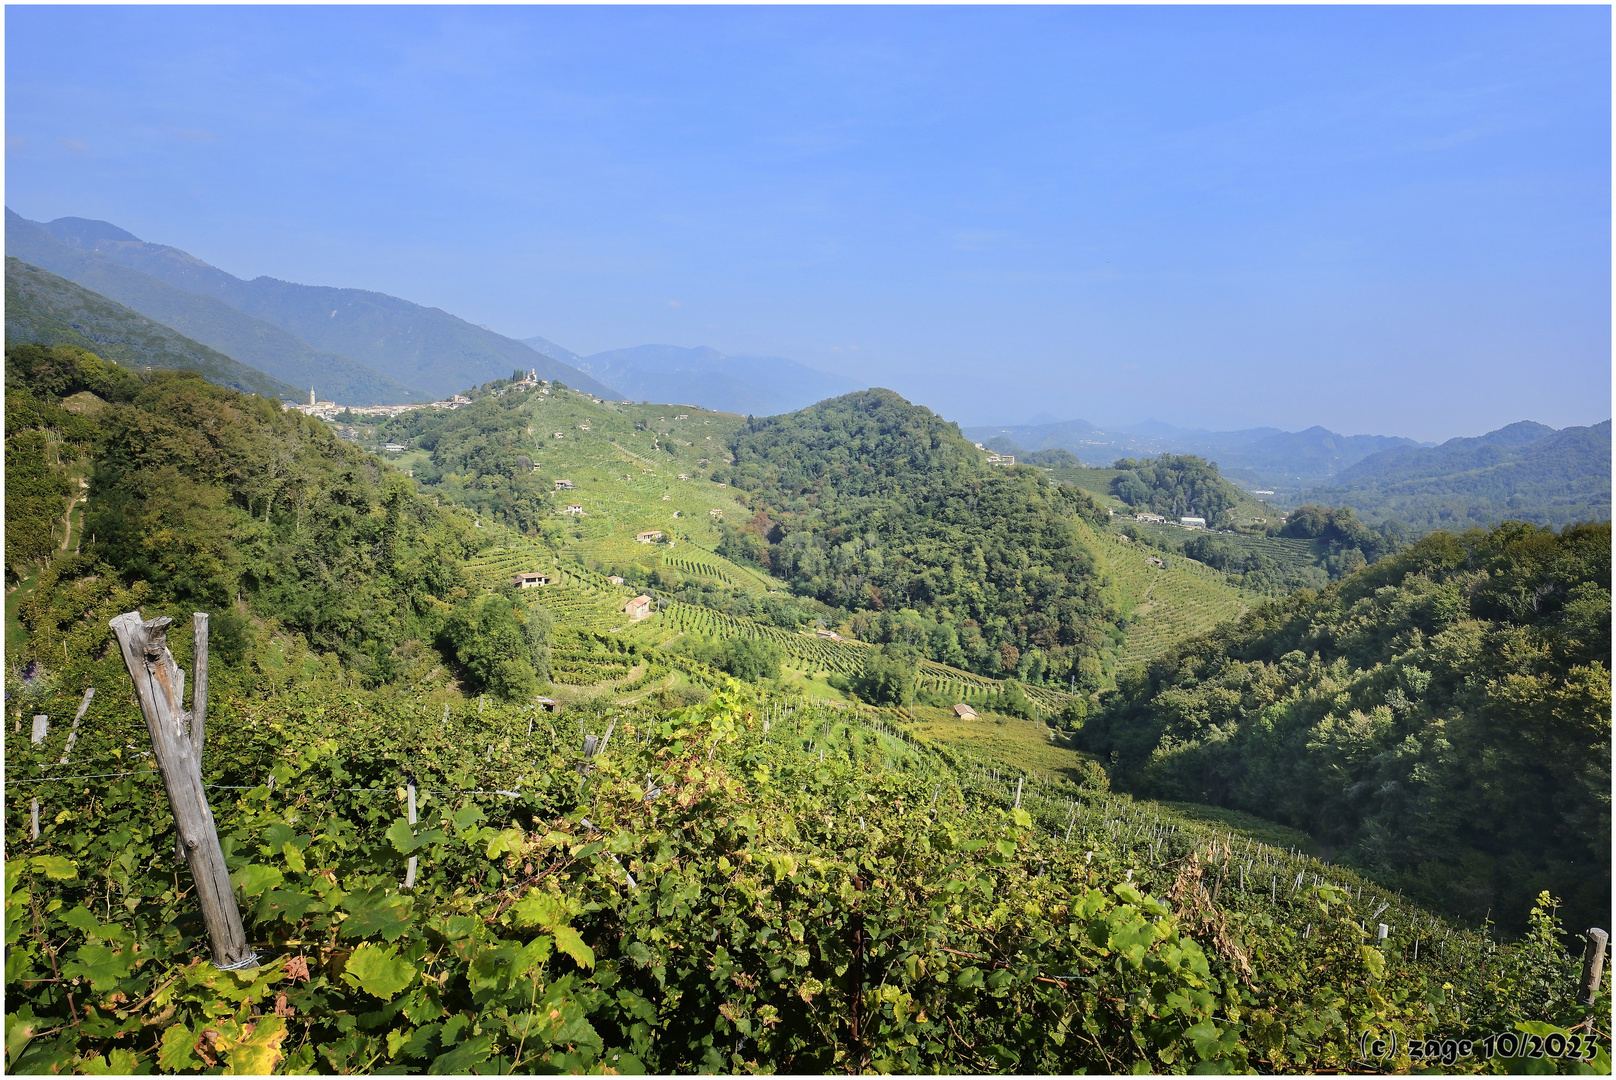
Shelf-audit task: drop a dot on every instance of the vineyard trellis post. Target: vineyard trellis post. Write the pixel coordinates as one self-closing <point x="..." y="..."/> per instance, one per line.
<point x="159" y="684"/>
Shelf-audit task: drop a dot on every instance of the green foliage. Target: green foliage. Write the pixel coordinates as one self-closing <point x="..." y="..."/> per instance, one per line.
<point x="1176" y="485"/>
<point x="490" y="637"/>
<point x="753" y="659"/>
<point x="871" y="504"/>
<point x="1443" y="717"/>
<point x="709" y="898"/>
<point x="35" y="494"/>
<point x="1345" y="543"/>
<point x="200" y="497"/>
<point x="539" y="626"/>
<point x="889" y="675"/>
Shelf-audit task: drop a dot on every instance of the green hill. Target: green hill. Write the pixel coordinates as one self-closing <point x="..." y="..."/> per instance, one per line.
<point x="44" y="309"/>
<point x="881" y="508"/>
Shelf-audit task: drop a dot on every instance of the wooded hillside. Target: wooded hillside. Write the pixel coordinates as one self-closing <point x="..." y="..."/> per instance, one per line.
<point x="872" y="504"/>
<point x="1441" y="718"/>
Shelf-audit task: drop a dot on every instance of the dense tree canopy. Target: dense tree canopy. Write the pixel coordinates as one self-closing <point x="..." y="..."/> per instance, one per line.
<point x="1443" y="716"/>
<point x="208" y="498"/>
<point x="875" y="506"/>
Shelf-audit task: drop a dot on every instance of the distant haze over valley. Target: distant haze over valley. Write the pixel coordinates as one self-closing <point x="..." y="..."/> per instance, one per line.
<point x="1266" y="457"/>
<point x="750" y="385"/>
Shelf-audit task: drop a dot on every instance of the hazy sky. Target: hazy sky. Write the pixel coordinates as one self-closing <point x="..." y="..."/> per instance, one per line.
<point x="1380" y="219"/>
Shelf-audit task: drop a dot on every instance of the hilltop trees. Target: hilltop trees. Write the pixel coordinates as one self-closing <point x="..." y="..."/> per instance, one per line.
<point x="481" y="459"/>
<point x="1175" y="485"/>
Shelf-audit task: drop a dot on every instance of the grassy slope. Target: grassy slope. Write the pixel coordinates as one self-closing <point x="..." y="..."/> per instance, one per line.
<point x="1021" y="744"/>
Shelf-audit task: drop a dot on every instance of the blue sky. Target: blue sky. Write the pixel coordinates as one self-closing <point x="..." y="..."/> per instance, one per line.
<point x="1379" y="219"/>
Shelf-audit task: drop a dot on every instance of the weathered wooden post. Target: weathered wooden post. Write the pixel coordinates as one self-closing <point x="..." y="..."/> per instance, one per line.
<point x="33" y="812"/>
<point x="73" y="734"/>
<point x="159" y="684"/>
<point x="1593" y="965"/>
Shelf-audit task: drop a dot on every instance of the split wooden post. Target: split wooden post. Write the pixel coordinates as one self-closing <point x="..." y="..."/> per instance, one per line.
<point x="1593" y="965"/>
<point x="159" y="684"/>
<point x="41" y="729"/>
<point x="73" y="734"/>
<point x="1023" y="780"/>
<point x="33" y="811"/>
<point x="409" y="873"/>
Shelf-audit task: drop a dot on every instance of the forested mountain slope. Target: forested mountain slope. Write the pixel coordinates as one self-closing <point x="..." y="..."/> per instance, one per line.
<point x="1523" y="472"/>
<point x="421" y="347"/>
<point x="209" y="320"/>
<point x="1441" y="717"/>
<point x="44" y="309"/>
<point x="872" y="504"/>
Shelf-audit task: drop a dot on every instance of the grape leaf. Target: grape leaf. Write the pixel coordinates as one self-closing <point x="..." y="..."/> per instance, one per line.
<point x="377" y="971"/>
<point x="568" y="941"/>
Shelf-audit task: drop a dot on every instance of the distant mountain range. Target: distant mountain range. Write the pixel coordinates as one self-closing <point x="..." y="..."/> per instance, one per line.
<point x="1523" y="472"/>
<point x="1266" y="458"/>
<point x="353" y="346"/>
<point x="750" y="385"/>
<point x="44" y="309"/>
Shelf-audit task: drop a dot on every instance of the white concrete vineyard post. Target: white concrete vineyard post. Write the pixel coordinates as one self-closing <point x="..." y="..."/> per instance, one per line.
<point x="73" y="735"/>
<point x="409" y="874"/>
<point x="199" y="684"/>
<point x="160" y="684"/>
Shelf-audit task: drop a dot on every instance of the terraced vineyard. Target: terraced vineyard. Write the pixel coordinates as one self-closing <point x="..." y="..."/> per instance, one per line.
<point x="970" y="687"/>
<point x="581" y="658"/>
<point x="1163" y="606"/>
<point x="843" y="657"/>
<point x="495" y="566"/>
